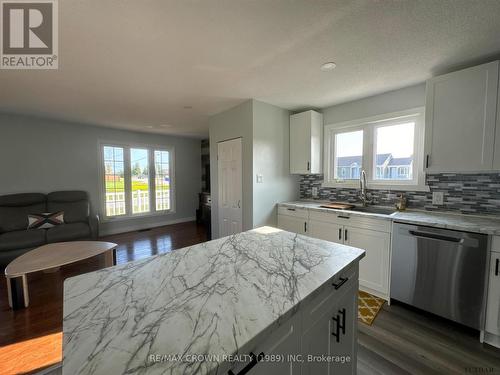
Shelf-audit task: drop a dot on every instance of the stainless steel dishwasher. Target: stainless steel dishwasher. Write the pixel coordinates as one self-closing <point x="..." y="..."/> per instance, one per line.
<point x="440" y="271"/>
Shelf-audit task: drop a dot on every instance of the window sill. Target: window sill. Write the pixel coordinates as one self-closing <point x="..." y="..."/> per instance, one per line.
<point x="111" y="219"/>
<point x="376" y="186"/>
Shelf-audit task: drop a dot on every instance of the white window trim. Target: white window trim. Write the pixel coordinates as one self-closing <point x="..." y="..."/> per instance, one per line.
<point x="368" y="125"/>
<point x="126" y="158"/>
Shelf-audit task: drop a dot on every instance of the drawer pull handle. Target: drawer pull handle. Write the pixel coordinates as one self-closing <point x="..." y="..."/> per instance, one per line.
<point x="255" y="359"/>
<point x="342" y="325"/>
<point x="343" y="217"/>
<point x="291" y="209"/>
<point x="337" y="328"/>
<point x="342" y="280"/>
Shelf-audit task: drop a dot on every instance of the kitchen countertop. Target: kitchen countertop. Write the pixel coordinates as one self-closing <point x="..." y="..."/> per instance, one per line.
<point x="469" y="223"/>
<point x="316" y="206"/>
<point x="218" y="297"/>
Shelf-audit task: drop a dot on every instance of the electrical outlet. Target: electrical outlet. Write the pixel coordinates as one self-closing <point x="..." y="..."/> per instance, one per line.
<point x="260" y="179"/>
<point x="438" y="197"/>
<point x="314" y="192"/>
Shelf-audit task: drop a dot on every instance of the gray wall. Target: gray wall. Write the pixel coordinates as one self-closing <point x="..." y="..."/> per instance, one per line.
<point x="233" y="123"/>
<point x="392" y="101"/>
<point x="42" y="155"/>
<point x="271" y="158"/>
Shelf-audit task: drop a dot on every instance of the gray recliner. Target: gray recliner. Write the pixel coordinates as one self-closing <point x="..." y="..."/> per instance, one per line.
<point x="15" y="237"/>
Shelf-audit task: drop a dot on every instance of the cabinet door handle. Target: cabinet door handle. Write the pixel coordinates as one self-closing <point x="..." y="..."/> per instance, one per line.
<point x="308" y="165"/>
<point x="305" y="226"/>
<point x="342" y="325"/>
<point x="337" y="328"/>
<point x="255" y="359"/>
<point x="427" y="161"/>
<point x="497" y="265"/>
<point x="340" y="233"/>
<point x="345" y="234"/>
<point x="341" y="282"/>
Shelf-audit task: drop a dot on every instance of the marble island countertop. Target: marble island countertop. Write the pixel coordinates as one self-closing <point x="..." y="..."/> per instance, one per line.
<point x="213" y="298"/>
<point x="469" y="223"/>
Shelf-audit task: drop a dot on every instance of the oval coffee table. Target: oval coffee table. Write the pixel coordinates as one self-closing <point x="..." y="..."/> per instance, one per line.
<point x="50" y="256"/>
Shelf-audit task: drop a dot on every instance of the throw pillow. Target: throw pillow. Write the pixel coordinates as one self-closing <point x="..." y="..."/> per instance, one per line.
<point x="45" y="220"/>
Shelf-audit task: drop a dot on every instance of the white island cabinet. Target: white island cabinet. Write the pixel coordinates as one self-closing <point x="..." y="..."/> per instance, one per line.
<point x="261" y="302"/>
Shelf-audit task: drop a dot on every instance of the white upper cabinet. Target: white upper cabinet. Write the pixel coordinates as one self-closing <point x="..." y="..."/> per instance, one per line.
<point x="306" y="134"/>
<point x="460" y="118"/>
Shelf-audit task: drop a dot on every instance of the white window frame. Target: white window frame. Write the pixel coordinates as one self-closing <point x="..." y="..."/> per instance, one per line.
<point x="127" y="176"/>
<point x="369" y="125"/>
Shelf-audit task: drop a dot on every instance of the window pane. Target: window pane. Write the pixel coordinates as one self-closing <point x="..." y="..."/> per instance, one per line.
<point x="162" y="173"/>
<point x="139" y="168"/>
<point x="394" y="152"/>
<point x="114" y="181"/>
<point x="348" y="158"/>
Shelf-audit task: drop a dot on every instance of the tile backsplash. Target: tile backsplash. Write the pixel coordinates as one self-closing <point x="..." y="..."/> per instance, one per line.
<point x="464" y="193"/>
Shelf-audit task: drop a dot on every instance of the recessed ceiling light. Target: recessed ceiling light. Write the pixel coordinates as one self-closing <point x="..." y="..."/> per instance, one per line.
<point x="188" y="107"/>
<point x="326" y="67"/>
<point x="165" y="126"/>
<point x="150" y="126"/>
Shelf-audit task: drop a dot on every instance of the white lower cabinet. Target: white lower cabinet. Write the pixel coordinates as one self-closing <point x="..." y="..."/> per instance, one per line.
<point x="370" y="234"/>
<point x="326" y="231"/>
<point x="492" y="327"/>
<point x="374" y="267"/>
<point x="293" y="220"/>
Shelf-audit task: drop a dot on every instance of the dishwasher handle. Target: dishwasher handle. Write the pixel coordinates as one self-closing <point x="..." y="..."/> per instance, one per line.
<point x="435" y="236"/>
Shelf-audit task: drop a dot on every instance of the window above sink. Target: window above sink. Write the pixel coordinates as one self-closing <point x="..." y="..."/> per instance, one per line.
<point x="389" y="148"/>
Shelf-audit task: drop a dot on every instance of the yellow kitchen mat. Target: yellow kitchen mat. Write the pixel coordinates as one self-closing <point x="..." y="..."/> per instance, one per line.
<point x="368" y="307"/>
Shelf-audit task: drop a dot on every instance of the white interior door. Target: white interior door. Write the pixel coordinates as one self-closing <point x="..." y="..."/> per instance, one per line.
<point x="230" y="187"/>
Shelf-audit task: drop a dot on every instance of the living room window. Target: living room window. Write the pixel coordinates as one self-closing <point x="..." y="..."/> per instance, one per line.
<point x="389" y="148"/>
<point x="136" y="181"/>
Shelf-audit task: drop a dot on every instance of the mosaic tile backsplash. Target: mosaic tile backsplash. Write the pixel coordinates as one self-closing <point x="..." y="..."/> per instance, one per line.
<point x="465" y="193"/>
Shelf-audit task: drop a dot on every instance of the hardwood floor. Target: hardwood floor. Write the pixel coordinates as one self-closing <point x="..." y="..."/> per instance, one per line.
<point x="31" y="339"/>
<point x="400" y="341"/>
<point x="403" y="340"/>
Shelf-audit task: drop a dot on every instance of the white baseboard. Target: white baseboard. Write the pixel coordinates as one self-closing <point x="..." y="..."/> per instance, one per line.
<point x="139" y="226"/>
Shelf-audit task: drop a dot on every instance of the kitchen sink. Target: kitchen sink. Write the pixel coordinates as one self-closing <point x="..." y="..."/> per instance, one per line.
<point x="374" y="210"/>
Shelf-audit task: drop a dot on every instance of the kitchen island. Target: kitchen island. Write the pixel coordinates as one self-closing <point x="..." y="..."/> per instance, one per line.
<point x="266" y="300"/>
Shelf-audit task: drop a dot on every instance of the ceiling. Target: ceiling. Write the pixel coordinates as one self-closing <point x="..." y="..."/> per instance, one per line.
<point x="166" y="66"/>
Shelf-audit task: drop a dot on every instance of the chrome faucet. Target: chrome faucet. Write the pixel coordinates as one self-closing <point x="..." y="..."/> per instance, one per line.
<point x="363" y="195"/>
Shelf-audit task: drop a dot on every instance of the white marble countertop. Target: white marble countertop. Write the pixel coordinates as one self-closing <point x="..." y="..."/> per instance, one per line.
<point x="316" y="206"/>
<point x="469" y="223"/>
<point x="211" y="298"/>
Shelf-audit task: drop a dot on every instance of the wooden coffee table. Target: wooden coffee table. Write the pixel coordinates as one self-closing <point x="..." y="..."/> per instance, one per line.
<point x="48" y="257"/>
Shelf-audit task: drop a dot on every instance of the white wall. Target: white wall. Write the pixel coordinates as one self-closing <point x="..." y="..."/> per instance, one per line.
<point x="264" y="130"/>
<point x="42" y="155"/>
<point x="392" y="101"/>
<point x="271" y="158"/>
<point x="233" y="123"/>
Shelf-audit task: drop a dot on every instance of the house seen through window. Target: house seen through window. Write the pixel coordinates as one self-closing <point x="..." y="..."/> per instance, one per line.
<point x="387" y="149"/>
